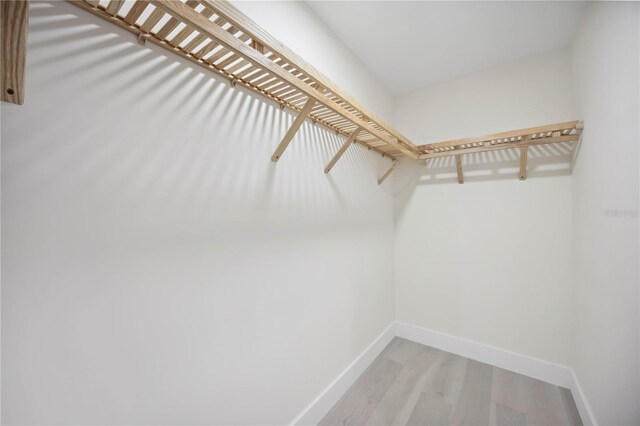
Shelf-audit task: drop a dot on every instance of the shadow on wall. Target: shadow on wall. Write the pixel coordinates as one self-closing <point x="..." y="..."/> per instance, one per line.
<point x="500" y="165"/>
<point x="201" y="140"/>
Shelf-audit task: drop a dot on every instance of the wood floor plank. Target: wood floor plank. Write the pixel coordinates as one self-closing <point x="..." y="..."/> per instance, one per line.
<point x="473" y="403"/>
<point x="398" y="402"/>
<point x="507" y="416"/>
<point x="507" y="388"/>
<point x="445" y="380"/>
<point x="430" y="410"/>
<point x="403" y="415"/>
<point x="355" y="407"/>
<point x="456" y="369"/>
<point x="403" y="351"/>
<point x="437" y="377"/>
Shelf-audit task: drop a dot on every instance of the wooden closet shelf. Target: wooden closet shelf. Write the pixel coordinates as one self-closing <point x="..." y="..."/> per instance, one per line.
<point x="218" y="37"/>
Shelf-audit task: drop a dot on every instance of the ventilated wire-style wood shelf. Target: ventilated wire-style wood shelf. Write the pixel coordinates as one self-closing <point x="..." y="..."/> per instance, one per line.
<point x="521" y="139"/>
<point x="553" y="133"/>
<point x="218" y="37"/>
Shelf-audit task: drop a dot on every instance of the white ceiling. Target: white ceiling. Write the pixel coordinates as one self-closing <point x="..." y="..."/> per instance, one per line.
<point x="409" y="45"/>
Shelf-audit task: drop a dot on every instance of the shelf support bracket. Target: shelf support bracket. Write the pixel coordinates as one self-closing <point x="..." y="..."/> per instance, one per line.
<point x="13" y="25"/>
<point x="386" y="175"/>
<point x="459" y="169"/>
<point x="524" y="153"/>
<point x="302" y="115"/>
<point x="343" y="148"/>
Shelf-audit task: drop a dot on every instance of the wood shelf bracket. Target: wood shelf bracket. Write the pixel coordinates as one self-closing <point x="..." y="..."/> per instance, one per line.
<point x="524" y="151"/>
<point x="459" y="169"/>
<point x="342" y="150"/>
<point x="302" y="115"/>
<point x="391" y="169"/>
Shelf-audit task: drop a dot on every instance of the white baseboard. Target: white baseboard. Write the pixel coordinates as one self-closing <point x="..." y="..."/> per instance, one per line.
<point x="328" y="397"/>
<point x="581" y="402"/>
<point x="556" y="374"/>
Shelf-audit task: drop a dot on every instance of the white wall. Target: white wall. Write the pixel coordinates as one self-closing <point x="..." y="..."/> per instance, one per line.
<point x="489" y="260"/>
<point x="157" y="267"/>
<point x="605" y="212"/>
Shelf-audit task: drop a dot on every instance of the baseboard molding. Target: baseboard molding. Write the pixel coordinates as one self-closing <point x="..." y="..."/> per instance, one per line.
<point x="581" y="402"/>
<point x="328" y="398"/>
<point x="556" y="374"/>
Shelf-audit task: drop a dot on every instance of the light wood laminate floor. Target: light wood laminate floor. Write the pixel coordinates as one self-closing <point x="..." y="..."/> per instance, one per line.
<point x="413" y="384"/>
